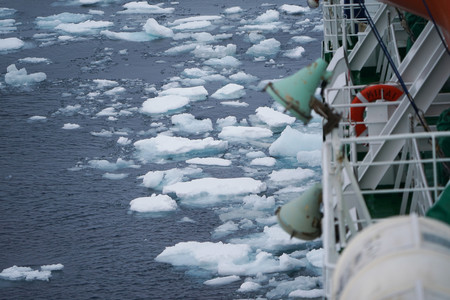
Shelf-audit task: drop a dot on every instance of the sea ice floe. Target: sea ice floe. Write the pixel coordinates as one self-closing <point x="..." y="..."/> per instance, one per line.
<point x="302" y="39"/>
<point x="249" y="286"/>
<point x="222" y="280"/>
<point x="264" y="161"/>
<point x="140" y="36"/>
<point x="227" y="121"/>
<point x="153" y="28"/>
<point x="34" y="60"/>
<point x="158" y="179"/>
<point x="229" y="92"/>
<point x="225" y="229"/>
<point x="84" y="28"/>
<point x="188" y="124"/>
<point x="214" y="188"/>
<point x="142" y="7"/>
<point x="265" y="48"/>
<point x="104" y="165"/>
<point x="292" y="141"/>
<point x="37" y="118"/>
<point x="226" y="259"/>
<point x="7" y="26"/>
<point x="293" y="9"/>
<point x="180" y="49"/>
<point x="6" y="12"/>
<point x="210" y="161"/>
<point x="29" y="274"/>
<point x="243" y="78"/>
<point x="290" y="176"/>
<point x="164" y="104"/>
<point x="315" y="257"/>
<point x="273" y="118"/>
<point x="255" y="202"/>
<point x="311" y="158"/>
<point x="123" y="141"/>
<point x="154" y="203"/>
<point x="194" y="25"/>
<point x="302" y="285"/>
<point x="244" y="132"/>
<point x="163" y="146"/>
<point x="294" y="53"/>
<point x="224" y="62"/>
<point x="195" y="93"/>
<point x="20" y="77"/>
<point x="115" y="176"/>
<point x="52" y="21"/>
<point x="218" y="51"/>
<point x="314" y="293"/>
<point x="195" y="19"/>
<point x="267" y="17"/>
<point x="70" y="126"/>
<point x="233" y="10"/>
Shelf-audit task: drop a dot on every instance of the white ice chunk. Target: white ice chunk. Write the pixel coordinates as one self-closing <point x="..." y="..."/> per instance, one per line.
<point x="153" y="28"/>
<point x="216" y="186"/>
<point x="105" y="165"/>
<point x="244" y="132"/>
<point x="158" y="179"/>
<point x="194" y="25"/>
<point x="218" y="51"/>
<point x="108" y="111"/>
<point x="210" y="161"/>
<point x="181" y="49"/>
<point x="228" y="121"/>
<point x="115" y="91"/>
<point x="243" y="78"/>
<point x="187" y="123"/>
<point x="154" y="203"/>
<point x="24" y="273"/>
<point x="267" y="17"/>
<point x="54" y="267"/>
<point x="302" y="39"/>
<point x="256" y="202"/>
<point x="224" y="62"/>
<point x="273" y="118"/>
<point x="129" y="36"/>
<point x="20" y="77"/>
<point x="315" y="257"/>
<point x="229" y="92"/>
<point x="284" y="288"/>
<point x="293" y="9"/>
<point x="35" y="60"/>
<point x="70" y="126"/>
<point x="164" y="104"/>
<point x="86" y="27"/>
<point x="249" y="286"/>
<point x="37" y="118"/>
<point x="310" y="158"/>
<point x="294" y="53"/>
<point x="123" y="141"/>
<point x="169" y="146"/>
<point x="225" y="229"/>
<point x="234" y="103"/>
<point x="222" y="280"/>
<point x="286" y="176"/>
<point x="233" y="10"/>
<point x="115" y="176"/>
<point x="104" y="83"/>
<point x="292" y="141"/>
<point x="266" y="48"/>
<point x="195" y="19"/>
<point x="52" y="21"/>
<point x="195" y="93"/>
<point x="142" y="7"/>
<point x="5" y="12"/>
<point x="264" y="161"/>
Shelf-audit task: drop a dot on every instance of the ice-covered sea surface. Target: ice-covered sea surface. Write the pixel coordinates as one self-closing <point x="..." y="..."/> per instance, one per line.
<point x="140" y="158"/>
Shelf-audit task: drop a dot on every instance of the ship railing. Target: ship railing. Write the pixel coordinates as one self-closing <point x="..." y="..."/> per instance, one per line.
<point x="414" y="183"/>
<point x="344" y="23"/>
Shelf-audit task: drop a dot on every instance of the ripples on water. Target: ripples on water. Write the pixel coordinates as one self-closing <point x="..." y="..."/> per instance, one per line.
<point x="52" y="213"/>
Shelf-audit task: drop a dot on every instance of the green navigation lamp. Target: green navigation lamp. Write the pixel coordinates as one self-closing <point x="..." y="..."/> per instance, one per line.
<point x="296" y="94"/>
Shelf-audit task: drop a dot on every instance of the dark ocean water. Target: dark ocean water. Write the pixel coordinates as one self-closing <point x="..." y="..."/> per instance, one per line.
<point x="51" y="212"/>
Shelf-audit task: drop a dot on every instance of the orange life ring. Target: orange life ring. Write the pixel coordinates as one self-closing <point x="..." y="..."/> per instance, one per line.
<point x="371" y="94"/>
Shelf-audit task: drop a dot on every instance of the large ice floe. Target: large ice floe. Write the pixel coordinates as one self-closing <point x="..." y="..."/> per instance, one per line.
<point x="20" y="77"/>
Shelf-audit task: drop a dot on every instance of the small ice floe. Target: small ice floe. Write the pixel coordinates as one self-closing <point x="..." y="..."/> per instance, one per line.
<point x="195" y="93"/>
<point x="294" y="53"/>
<point x="123" y="141"/>
<point x="264" y="161"/>
<point x="7" y="26"/>
<point x="164" y="104"/>
<point x="37" y="118"/>
<point x="152" y="27"/>
<point x="218" y="51"/>
<point x="163" y="146"/>
<point x="6" y="12"/>
<point x="154" y="203"/>
<point x="142" y="7"/>
<point x="293" y="9"/>
<point x="311" y="158"/>
<point x="243" y="78"/>
<point x="244" y="133"/>
<point x="158" y="179"/>
<point x="290" y="176"/>
<point x="29" y="274"/>
<point x="209" y="161"/>
<point x="188" y="124"/>
<point x="266" y="48"/>
<point x="249" y="286"/>
<point x="20" y="77"/>
<point x="222" y="280"/>
<point x="233" y="10"/>
<point x="115" y="176"/>
<point x="104" y="165"/>
<point x="303" y="286"/>
<point x="51" y="22"/>
<point x="224" y="62"/>
<point x="35" y="60"/>
<point x="302" y="39"/>
<point x="274" y="119"/>
<point x="70" y="126"/>
<point x="229" y="92"/>
<point x="292" y="141"/>
<point x="84" y="28"/>
<point x="104" y="83"/>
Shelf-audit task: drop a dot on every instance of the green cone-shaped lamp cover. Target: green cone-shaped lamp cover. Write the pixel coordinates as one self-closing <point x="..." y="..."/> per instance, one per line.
<point x="296" y="91"/>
